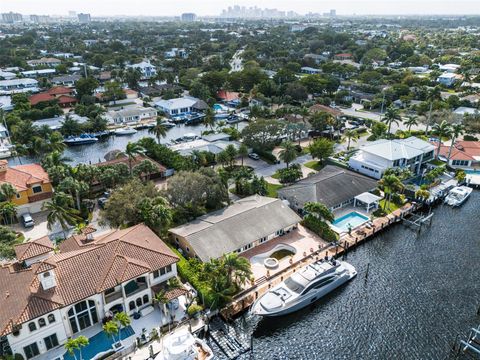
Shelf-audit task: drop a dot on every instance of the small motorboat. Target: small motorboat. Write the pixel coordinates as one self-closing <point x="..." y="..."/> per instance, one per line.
<point x="84" y="139"/>
<point x="181" y="345"/>
<point x="5" y="152"/>
<point x="127" y="130"/>
<point x="458" y="195"/>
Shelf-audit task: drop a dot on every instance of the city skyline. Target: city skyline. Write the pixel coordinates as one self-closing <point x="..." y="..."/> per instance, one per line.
<point x="215" y="7"/>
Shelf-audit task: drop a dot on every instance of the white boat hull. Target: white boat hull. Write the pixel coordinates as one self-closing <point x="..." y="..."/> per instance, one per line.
<point x="305" y="300"/>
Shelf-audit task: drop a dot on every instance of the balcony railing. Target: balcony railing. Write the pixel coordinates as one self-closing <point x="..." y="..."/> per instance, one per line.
<point x="113" y="296"/>
<point x="39" y="197"/>
<point x="133" y="288"/>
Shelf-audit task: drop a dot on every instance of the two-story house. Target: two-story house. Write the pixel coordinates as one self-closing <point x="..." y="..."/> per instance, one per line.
<point x="374" y="158"/>
<point x="32" y="184"/>
<point x="146" y="69"/>
<point x="48" y="297"/>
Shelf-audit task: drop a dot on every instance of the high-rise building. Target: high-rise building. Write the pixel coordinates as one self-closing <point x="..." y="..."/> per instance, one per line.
<point x="333" y="13"/>
<point x="72" y="14"/>
<point x="11" y="17"/>
<point x="40" y="19"/>
<point x="84" y="18"/>
<point x="189" y="17"/>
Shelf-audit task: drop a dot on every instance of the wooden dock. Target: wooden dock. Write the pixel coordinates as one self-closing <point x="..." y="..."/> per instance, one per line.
<point x="246" y="298"/>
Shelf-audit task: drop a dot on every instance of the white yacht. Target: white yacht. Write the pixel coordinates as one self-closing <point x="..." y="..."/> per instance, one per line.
<point x="304" y="287"/>
<point x="181" y="345"/>
<point x="127" y="130"/>
<point x="458" y="195"/>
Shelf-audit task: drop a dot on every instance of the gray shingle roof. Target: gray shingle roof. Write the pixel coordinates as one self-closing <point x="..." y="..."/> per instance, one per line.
<point x="235" y="226"/>
<point x="331" y="186"/>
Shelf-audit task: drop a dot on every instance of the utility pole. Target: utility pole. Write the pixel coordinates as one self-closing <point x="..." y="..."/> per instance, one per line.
<point x="429" y="118"/>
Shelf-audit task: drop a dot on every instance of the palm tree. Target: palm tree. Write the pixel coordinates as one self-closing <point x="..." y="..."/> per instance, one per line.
<point x="60" y="209"/>
<point x="75" y="188"/>
<point x="319" y="210"/>
<point x="123" y="320"/>
<point x="71" y="345"/>
<point x="132" y="150"/>
<point x="159" y="130"/>
<point x="243" y="151"/>
<point x="111" y="329"/>
<point x="433" y="94"/>
<point x="82" y="341"/>
<point x="412" y="120"/>
<point x="161" y="298"/>
<point x="145" y="169"/>
<point x="55" y="142"/>
<point x="392" y="116"/>
<point x="456" y="131"/>
<point x="223" y="158"/>
<point x="390" y="184"/>
<point x="209" y="120"/>
<point x="442" y="130"/>
<point x="7" y="192"/>
<point x="350" y="135"/>
<point x="237" y="268"/>
<point x="422" y="194"/>
<point x="288" y="152"/>
<point x="55" y="158"/>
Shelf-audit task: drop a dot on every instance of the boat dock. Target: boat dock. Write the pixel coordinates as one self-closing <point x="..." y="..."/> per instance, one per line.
<point x="246" y="298"/>
<point x="468" y="347"/>
<point x="232" y="342"/>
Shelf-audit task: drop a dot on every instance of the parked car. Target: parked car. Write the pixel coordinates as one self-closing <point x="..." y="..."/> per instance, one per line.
<point x="27" y="220"/>
<point x="103" y="200"/>
<point x="254" y="156"/>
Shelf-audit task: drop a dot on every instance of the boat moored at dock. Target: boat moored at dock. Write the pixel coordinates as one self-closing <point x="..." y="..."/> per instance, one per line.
<point x="83" y="139"/>
<point x="458" y="195"/>
<point x="182" y="345"/>
<point x="127" y="130"/>
<point x="304" y="287"/>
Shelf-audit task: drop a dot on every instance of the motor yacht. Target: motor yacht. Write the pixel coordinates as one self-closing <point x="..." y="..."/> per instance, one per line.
<point x="127" y="130"/>
<point x="458" y="195"/>
<point x="83" y="139"/>
<point x="182" y="345"/>
<point x="304" y="287"/>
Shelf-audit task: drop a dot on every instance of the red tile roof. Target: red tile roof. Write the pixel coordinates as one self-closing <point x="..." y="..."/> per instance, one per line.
<point x="227" y="95"/>
<point x="34" y="248"/>
<point x="60" y="90"/>
<point x="22" y="176"/>
<point x="81" y="270"/>
<point x="462" y="150"/>
<point x="57" y="92"/>
<point x="319" y="108"/>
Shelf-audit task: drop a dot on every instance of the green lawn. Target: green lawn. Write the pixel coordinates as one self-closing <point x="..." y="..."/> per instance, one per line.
<point x="276" y="175"/>
<point x="314" y="165"/>
<point x="391" y="207"/>
<point x="272" y="189"/>
<point x="437" y="162"/>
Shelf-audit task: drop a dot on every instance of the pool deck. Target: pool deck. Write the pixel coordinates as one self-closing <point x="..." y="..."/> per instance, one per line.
<point x="301" y="239"/>
<point x="247" y="297"/>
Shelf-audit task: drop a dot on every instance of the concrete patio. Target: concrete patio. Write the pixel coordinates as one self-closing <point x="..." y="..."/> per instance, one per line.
<point x="301" y="239"/>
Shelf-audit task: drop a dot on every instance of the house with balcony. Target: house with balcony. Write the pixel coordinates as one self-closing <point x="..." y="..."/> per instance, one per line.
<point x="374" y="158"/>
<point x="145" y="68"/>
<point x="237" y="228"/>
<point x="49" y="296"/>
<point x="32" y="184"/>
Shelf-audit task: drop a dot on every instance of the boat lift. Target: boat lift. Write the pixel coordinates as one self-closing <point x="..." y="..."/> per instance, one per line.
<point x="472" y="345"/>
<point x="417" y="221"/>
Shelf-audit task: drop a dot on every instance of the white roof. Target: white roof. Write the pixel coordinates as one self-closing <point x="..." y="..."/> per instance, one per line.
<point x="14" y="82"/>
<point x="465" y="110"/>
<point x="177" y="103"/>
<point x="368" y="198"/>
<point x="398" y="149"/>
<point x="142" y="65"/>
<point x="447" y="76"/>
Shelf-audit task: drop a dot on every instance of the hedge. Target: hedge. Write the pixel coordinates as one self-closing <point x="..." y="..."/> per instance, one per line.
<point x="188" y="273"/>
<point x="320" y="228"/>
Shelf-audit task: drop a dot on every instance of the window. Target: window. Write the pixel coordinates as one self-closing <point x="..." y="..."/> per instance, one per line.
<point x="32" y="326"/>
<point x="31" y="350"/>
<point x="139" y="301"/>
<point x="51" y="341"/>
<point x="460" y="162"/>
<point x="156" y="274"/>
<point x="145" y="299"/>
<point x="37" y="189"/>
<point x="131" y="305"/>
<point x="46" y="274"/>
<point x="51" y="318"/>
<point x="42" y="322"/>
<point x="18" y="196"/>
<point x="82" y="315"/>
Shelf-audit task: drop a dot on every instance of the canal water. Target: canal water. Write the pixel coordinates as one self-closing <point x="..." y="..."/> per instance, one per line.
<point x="420" y="293"/>
<point x="95" y="152"/>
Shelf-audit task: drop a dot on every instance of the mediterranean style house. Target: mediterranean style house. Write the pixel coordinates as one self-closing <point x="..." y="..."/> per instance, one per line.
<point x="31" y="183"/>
<point x="243" y="225"/>
<point x="374" y="158"/>
<point x="463" y="155"/>
<point x="48" y="296"/>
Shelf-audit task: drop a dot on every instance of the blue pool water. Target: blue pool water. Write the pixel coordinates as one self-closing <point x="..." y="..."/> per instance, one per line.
<point x="472" y="172"/>
<point x="217" y="107"/>
<point x="353" y="219"/>
<point x="99" y="343"/>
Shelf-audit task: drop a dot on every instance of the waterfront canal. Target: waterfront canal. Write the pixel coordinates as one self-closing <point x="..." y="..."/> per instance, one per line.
<point x="420" y="293"/>
<point x="95" y="152"/>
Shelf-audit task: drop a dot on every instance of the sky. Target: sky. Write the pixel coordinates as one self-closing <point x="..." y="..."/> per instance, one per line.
<point x="214" y="7"/>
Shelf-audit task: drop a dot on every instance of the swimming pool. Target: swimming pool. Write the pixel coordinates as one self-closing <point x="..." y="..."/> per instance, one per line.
<point x="99" y="343"/>
<point x="351" y="220"/>
<point x="472" y="172"/>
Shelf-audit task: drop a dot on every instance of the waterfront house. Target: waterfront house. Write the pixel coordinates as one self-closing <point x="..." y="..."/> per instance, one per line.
<point x="14" y="86"/>
<point x="50" y="62"/>
<point x="463" y="154"/>
<point x="32" y="184"/>
<point x="62" y="95"/>
<point x="49" y="296"/>
<point x="56" y="123"/>
<point x="332" y="186"/>
<point x="372" y="159"/>
<point x="131" y="114"/>
<point x="243" y="225"/>
<point x="180" y="106"/>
